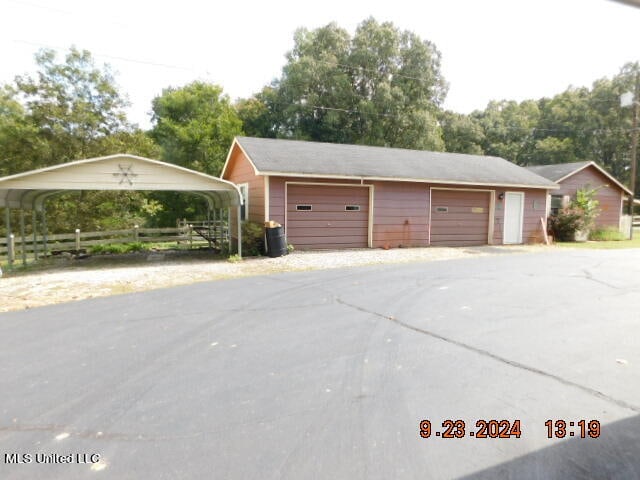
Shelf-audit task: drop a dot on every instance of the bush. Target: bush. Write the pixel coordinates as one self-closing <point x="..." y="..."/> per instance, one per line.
<point x="580" y="215"/>
<point x="607" y="234"/>
<point x="565" y="224"/>
<point x="116" y="248"/>
<point x="234" y="258"/>
<point x="252" y="239"/>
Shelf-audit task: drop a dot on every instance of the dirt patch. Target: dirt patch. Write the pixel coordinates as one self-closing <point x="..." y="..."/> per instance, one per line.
<point x="65" y="279"/>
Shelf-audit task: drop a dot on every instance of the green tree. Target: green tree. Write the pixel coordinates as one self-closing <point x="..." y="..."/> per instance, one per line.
<point x="70" y="110"/>
<point x="509" y="129"/>
<point x="382" y="86"/>
<point x="461" y="133"/>
<point x="72" y="104"/>
<point x="195" y="125"/>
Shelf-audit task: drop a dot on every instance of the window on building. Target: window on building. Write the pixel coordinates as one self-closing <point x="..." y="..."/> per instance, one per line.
<point x="556" y="204"/>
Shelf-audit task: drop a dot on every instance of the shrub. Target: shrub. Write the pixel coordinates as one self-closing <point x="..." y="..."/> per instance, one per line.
<point x="579" y="215"/>
<point x="607" y="234"/>
<point x="565" y="224"/>
<point x="252" y="239"/>
<point x="115" y="248"/>
<point x="234" y="258"/>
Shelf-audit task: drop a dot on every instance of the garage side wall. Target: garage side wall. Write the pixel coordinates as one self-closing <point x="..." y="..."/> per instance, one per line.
<point x="610" y="197"/>
<point x="535" y="207"/>
<point x="400" y="210"/>
<point x="239" y="171"/>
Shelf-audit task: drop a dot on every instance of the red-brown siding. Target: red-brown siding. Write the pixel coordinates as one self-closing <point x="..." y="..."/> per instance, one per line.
<point x="534" y="209"/>
<point x="459" y="217"/>
<point x="277" y="193"/>
<point x="610" y="197"/>
<point x="328" y="224"/>
<point x="400" y="214"/>
<point x="239" y="170"/>
<point x="400" y="209"/>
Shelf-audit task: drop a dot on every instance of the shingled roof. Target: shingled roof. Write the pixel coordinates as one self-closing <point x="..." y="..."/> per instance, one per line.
<point x="559" y="171"/>
<point x="300" y="158"/>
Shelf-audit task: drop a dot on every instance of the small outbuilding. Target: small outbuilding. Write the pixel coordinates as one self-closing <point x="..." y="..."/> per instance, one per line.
<point x="572" y="177"/>
<point x="334" y="196"/>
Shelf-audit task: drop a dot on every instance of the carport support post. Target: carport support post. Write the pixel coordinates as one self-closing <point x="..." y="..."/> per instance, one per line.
<point x="44" y="231"/>
<point x="239" y="217"/>
<point x="23" y="245"/>
<point x="228" y="226"/>
<point x="7" y="224"/>
<point x="34" y="226"/>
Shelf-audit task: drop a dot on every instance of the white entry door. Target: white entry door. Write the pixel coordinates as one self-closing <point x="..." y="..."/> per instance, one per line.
<point x="513" y="213"/>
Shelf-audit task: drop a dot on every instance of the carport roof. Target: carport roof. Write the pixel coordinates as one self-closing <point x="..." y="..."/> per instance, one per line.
<point x="314" y="159"/>
<point x="117" y="173"/>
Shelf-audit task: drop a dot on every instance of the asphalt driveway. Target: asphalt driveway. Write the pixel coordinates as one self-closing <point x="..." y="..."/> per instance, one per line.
<point x="328" y="374"/>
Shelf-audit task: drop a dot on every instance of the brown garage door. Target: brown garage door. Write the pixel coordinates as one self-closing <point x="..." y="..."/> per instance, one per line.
<point x="459" y="217"/>
<point x="321" y="216"/>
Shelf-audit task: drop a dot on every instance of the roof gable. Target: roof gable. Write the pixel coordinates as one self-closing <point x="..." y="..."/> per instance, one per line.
<point x="113" y="172"/>
<point x="301" y="158"/>
<point x="561" y="171"/>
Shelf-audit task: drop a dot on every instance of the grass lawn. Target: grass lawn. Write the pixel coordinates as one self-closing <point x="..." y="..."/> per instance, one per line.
<point x="606" y="245"/>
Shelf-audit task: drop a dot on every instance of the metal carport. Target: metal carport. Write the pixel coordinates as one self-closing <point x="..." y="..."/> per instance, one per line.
<point x="120" y="172"/>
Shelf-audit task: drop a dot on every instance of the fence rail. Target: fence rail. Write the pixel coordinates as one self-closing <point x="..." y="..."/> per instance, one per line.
<point x="14" y="248"/>
<point x="636" y="220"/>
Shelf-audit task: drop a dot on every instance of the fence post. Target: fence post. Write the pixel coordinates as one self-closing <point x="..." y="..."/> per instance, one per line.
<point x="11" y="249"/>
<point x="135" y="233"/>
<point x="77" y="240"/>
<point x="190" y="236"/>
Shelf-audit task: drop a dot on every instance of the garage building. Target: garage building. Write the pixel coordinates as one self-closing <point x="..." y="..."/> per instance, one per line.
<point x="334" y="196"/>
<point x="571" y="177"/>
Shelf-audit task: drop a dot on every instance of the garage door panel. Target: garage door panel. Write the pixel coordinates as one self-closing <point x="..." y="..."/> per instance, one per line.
<point x="327" y="224"/>
<point x="333" y="199"/>
<point x="325" y="216"/>
<point x="333" y="209"/>
<point x="465" y="221"/>
<point x="460" y="217"/>
<point x="324" y="243"/>
<point x="359" y="224"/>
<point x="327" y="232"/>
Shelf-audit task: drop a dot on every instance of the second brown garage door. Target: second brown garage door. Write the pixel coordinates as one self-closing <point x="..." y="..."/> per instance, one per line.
<point x="323" y="216"/>
<point x="459" y="217"/>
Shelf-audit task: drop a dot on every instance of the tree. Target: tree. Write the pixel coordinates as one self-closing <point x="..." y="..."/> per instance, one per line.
<point x="461" y="133"/>
<point x="72" y="104"/>
<point x="382" y="86"/>
<point x="70" y="110"/>
<point x="509" y="129"/>
<point x="195" y="125"/>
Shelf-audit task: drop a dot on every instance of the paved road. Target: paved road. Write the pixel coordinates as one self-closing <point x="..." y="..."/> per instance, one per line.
<point x="327" y="374"/>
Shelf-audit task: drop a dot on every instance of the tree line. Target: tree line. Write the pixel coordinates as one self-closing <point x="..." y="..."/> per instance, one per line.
<point x="380" y="86"/>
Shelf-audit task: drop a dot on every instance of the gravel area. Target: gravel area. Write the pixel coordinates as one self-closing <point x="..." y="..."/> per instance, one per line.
<point x="75" y="280"/>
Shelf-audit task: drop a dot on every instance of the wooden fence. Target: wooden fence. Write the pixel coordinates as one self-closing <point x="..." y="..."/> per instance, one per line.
<point x="636" y="221"/>
<point x="14" y="248"/>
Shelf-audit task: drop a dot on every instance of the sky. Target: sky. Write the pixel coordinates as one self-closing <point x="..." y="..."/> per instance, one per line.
<point x="491" y="49"/>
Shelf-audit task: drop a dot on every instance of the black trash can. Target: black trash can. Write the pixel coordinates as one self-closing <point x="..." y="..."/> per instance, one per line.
<point x="276" y="242"/>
